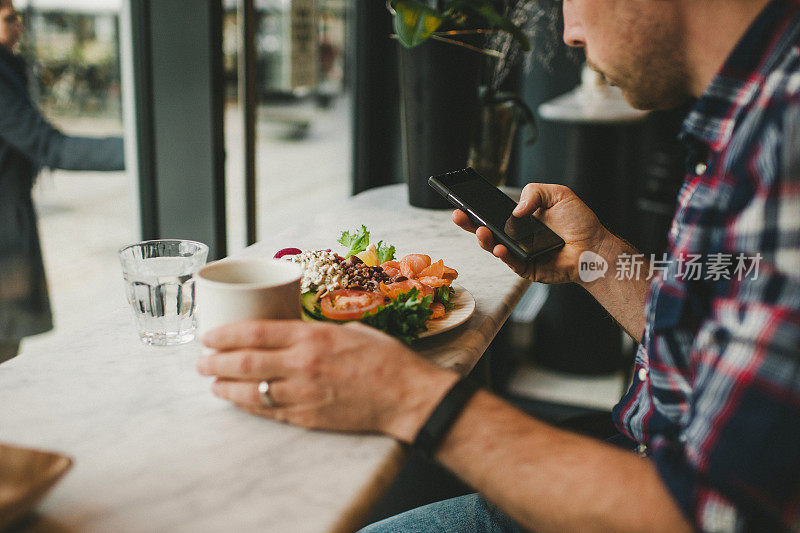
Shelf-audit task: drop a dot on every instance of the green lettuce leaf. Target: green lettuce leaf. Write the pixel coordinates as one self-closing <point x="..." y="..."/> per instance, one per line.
<point x="385" y="252"/>
<point x="356" y="242"/>
<point x="404" y="317"/>
<point x="445" y="294"/>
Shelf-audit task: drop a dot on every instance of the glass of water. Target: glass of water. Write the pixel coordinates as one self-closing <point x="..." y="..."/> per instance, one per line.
<point x="160" y="288"/>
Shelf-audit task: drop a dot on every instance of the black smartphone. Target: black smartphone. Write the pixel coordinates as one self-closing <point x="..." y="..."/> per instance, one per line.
<point x="525" y="237"/>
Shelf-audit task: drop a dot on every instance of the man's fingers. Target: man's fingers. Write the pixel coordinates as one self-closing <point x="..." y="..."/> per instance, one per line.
<point x="275" y="413"/>
<point x="462" y="220"/>
<point x="238" y="392"/>
<point x="245" y="364"/>
<point x="245" y="393"/>
<point x="255" y="334"/>
<point x="485" y="238"/>
<point x="538" y="196"/>
<point x="502" y="253"/>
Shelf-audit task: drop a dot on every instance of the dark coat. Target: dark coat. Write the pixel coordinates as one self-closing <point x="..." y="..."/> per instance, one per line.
<point x="29" y="142"/>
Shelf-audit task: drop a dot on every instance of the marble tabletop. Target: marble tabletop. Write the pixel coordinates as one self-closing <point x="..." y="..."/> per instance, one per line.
<point x="154" y="450"/>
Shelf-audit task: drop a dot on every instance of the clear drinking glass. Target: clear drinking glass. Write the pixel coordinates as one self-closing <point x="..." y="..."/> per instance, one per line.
<point x="160" y="287"/>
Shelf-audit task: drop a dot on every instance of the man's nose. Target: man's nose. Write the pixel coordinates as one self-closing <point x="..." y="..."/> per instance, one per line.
<point x="573" y="31"/>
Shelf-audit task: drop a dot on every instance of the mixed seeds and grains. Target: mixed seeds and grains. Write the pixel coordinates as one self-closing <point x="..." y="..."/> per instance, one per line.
<point x="325" y="271"/>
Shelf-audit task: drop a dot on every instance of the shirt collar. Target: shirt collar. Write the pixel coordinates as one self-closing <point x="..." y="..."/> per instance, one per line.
<point x="733" y="89"/>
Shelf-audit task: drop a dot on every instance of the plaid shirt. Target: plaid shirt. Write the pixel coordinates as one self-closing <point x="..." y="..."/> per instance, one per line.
<point x="716" y="389"/>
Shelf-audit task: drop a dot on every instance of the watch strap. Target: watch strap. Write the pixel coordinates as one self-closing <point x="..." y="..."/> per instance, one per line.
<point x="443" y="417"/>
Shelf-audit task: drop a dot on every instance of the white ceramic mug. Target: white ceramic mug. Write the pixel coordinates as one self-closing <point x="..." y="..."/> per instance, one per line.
<point x="236" y="290"/>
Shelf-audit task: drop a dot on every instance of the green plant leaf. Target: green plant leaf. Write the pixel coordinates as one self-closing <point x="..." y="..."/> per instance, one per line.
<point x="487" y="12"/>
<point x="414" y="22"/>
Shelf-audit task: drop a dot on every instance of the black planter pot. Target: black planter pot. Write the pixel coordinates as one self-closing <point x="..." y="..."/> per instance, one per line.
<point x="439" y="106"/>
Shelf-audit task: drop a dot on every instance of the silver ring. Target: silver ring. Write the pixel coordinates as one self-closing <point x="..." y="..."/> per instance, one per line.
<point x="263" y="393"/>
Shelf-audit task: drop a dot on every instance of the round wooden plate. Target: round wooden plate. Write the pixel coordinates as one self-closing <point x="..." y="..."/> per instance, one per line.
<point x="464" y="308"/>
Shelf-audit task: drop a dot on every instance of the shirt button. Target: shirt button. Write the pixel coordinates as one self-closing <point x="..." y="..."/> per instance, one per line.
<point x="700" y="169"/>
<point x="642" y="374"/>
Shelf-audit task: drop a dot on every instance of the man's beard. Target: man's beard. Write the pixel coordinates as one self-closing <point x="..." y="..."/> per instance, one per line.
<point x="664" y="90"/>
<point x="650" y="77"/>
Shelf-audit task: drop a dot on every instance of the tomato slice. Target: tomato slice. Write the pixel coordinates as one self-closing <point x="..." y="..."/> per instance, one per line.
<point x="349" y="304"/>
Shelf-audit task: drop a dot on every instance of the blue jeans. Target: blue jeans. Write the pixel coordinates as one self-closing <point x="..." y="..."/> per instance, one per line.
<point x="467" y="514"/>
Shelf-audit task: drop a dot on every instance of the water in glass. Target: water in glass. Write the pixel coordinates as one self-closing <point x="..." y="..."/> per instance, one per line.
<point x="160" y="289"/>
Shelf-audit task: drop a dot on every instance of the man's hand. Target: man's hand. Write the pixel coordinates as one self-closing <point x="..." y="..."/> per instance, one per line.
<point x="325" y="376"/>
<point x="563" y="212"/>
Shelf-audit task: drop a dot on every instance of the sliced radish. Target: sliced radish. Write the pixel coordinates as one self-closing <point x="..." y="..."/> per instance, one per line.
<point x="287" y="251"/>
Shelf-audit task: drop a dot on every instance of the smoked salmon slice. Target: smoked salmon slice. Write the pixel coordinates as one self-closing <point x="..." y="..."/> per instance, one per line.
<point x="422" y="275"/>
<point x="393" y="290"/>
<point x="392" y="268"/>
<point x="391" y="271"/>
<point x="433" y="281"/>
<point x="436" y="270"/>
<point x="412" y="264"/>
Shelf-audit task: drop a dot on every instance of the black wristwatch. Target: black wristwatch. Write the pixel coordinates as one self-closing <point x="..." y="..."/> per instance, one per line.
<point x="443" y="417"/>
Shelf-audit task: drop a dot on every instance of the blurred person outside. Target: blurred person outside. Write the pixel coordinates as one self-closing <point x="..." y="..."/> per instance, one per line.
<point x="28" y="142"/>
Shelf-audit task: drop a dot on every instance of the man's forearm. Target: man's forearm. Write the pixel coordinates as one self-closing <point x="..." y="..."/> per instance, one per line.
<point x="551" y="480"/>
<point x="623" y="298"/>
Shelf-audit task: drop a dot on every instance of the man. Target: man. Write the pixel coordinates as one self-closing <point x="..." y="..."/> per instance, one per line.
<point x="715" y="399"/>
<point x="27" y="143"/>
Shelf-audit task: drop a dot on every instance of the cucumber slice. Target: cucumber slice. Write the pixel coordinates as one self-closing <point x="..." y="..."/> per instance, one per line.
<point x="310" y="305"/>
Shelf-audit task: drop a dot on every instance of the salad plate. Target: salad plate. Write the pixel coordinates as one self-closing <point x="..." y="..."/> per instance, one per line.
<point x="407" y="297"/>
<point x="464" y="307"/>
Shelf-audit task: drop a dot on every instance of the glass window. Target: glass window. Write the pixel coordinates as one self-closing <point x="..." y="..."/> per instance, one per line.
<point x="73" y="54"/>
<point x="303" y="126"/>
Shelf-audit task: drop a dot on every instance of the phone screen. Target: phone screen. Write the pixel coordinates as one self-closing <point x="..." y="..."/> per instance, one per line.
<point x="489" y="204"/>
